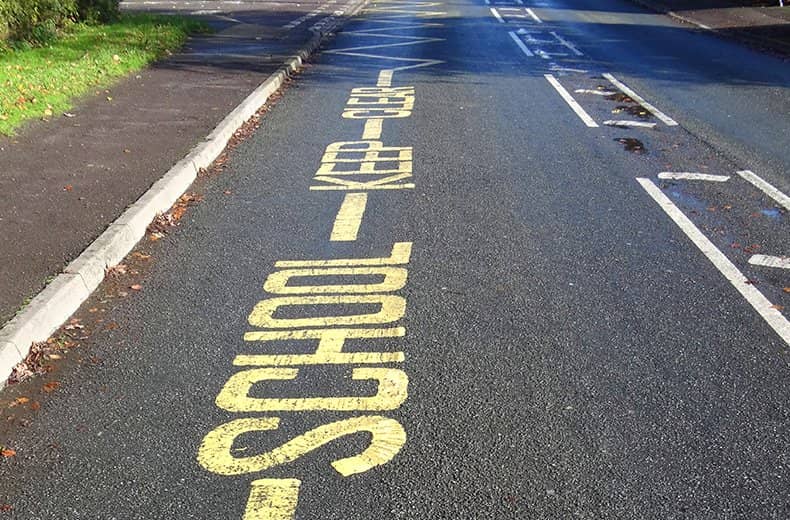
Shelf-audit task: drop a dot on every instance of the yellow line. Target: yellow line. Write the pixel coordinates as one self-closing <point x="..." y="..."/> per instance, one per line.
<point x="385" y="78"/>
<point x="349" y="217"/>
<point x="273" y="499"/>
<point x="372" y="128"/>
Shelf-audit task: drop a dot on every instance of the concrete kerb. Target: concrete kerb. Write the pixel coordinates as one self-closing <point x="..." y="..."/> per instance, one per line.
<point x="64" y="295"/>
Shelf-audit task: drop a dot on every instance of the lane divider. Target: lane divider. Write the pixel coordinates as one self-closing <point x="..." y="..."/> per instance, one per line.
<point x="565" y="95"/>
<point x="756" y="299"/>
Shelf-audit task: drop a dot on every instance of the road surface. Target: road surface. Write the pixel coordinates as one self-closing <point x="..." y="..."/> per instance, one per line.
<point x="483" y="260"/>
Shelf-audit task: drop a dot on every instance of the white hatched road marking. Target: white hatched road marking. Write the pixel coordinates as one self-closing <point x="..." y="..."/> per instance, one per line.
<point x="693" y="176"/>
<point x="520" y="44"/>
<point x="584" y="116"/>
<point x="756" y="299"/>
<point x="639" y="99"/>
<point x="781" y="262"/>
<point x="766" y="188"/>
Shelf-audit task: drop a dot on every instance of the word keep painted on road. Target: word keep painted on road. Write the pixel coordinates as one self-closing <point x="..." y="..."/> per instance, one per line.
<point x="302" y="305"/>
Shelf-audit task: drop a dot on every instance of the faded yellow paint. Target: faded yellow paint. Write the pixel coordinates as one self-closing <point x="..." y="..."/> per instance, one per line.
<point x="394" y="280"/>
<point x="328" y="351"/>
<point x="401" y="253"/>
<point x="391" y="308"/>
<point x="373" y="128"/>
<point x="349" y="217"/>
<point x="272" y="499"/>
<point x="385" y="78"/>
<point x="216" y="451"/>
<point x="234" y="396"/>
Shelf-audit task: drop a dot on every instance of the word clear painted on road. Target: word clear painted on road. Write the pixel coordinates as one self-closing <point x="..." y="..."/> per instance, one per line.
<point x="319" y="323"/>
<point x="380" y="102"/>
<point x="364" y="165"/>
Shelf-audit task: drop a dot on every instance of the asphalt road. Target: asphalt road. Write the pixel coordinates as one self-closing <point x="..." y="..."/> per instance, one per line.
<point x="537" y="324"/>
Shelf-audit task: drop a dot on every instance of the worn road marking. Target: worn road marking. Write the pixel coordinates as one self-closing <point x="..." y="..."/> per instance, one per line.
<point x="372" y="129"/>
<point x="272" y="499"/>
<point x="520" y="44"/>
<point x="781" y="262"/>
<point x="639" y="99"/>
<point x="766" y="188"/>
<point x="567" y="44"/>
<point x="533" y="15"/>
<point x="761" y="304"/>
<point x="628" y="124"/>
<point x="584" y="116"/>
<point x="497" y="15"/>
<point x="349" y="217"/>
<point x="595" y="92"/>
<point x="693" y="176"/>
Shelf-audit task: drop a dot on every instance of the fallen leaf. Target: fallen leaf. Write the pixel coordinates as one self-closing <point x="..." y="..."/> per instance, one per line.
<point x="135" y="287"/>
<point x="51" y="386"/>
<point x="7" y="453"/>
<point x="5" y="508"/>
<point x="111" y="326"/>
<point x="116" y="58"/>
<point x="778" y="307"/>
<point x="35" y="405"/>
<point x="68" y="114"/>
<point x="786" y="289"/>
<point x="126" y="150"/>
<point x="68" y="187"/>
<point x="18" y="401"/>
<point x="141" y="256"/>
<point x="227" y="192"/>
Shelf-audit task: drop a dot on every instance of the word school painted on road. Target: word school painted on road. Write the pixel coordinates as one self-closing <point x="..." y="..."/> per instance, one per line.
<point x="328" y="331"/>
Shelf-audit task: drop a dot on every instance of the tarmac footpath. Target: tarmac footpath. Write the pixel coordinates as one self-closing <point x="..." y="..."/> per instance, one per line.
<point x="64" y="181"/>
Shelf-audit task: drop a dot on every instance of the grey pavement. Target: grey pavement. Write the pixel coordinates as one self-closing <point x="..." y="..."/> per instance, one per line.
<point x="570" y="353"/>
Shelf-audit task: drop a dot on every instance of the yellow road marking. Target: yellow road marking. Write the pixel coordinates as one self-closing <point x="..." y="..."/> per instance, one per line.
<point x="234" y="396"/>
<point x="394" y="280"/>
<point x="385" y="78"/>
<point x="349" y="217"/>
<point x="372" y="130"/>
<point x="328" y="351"/>
<point x="272" y="499"/>
<point x="216" y="453"/>
<point x="401" y="253"/>
<point x="391" y="309"/>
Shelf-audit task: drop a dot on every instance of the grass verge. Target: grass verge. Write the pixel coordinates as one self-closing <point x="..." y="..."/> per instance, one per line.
<point x="41" y="82"/>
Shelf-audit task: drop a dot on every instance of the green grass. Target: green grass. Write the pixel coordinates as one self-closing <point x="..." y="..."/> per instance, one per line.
<point x="41" y="83"/>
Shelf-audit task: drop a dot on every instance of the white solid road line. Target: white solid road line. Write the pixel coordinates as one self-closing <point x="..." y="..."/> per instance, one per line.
<point x="497" y="15"/>
<point x="781" y="262"/>
<point x="766" y="188"/>
<point x="628" y="124"/>
<point x="584" y="116"/>
<point x="761" y="304"/>
<point x="533" y="15"/>
<point x="568" y="44"/>
<point x="639" y="99"/>
<point x="693" y="176"/>
<point x="520" y="44"/>
<point x="595" y="92"/>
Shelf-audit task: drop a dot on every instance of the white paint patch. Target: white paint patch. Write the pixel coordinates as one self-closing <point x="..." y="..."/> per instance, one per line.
<point x="781" y="262"/>
<point x="584" y="116"/>
<point x="756" y="299"/>
<point x="639" y="99"/>
<point x="520" y="44"/>
<point x="567" y="44"/>
<point x="594" y="92"/>
<point x="557" y="68"/>
<point x="497" y="15"/>
<point x="533" y="15"/>
<point x="766" y="188"/>
<point x="693" y="176"/>
<point x="622" y="123"/>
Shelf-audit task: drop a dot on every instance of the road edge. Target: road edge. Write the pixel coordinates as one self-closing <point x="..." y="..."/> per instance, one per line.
<point x="54" y="304"/>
